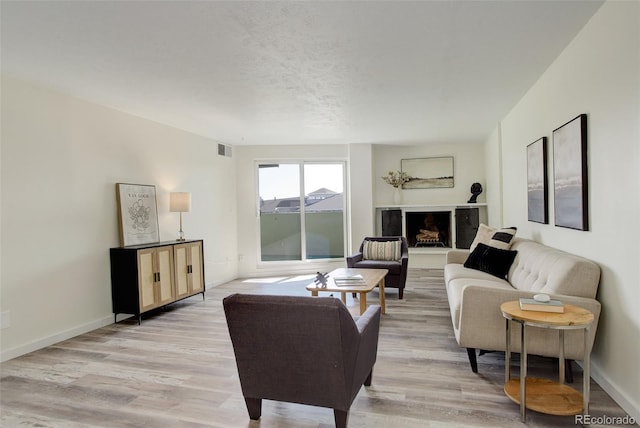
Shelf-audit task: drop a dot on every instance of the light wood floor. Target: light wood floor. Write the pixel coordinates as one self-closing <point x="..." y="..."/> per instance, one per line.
<point x="177" y="370"/>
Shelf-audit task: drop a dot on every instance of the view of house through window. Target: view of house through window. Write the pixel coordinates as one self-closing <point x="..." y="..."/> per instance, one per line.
<point x="301" y="211"/>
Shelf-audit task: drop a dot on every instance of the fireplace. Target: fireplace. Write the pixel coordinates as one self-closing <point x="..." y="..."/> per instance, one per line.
<point x="428" y="229"/>
<point x="433" y="227"/>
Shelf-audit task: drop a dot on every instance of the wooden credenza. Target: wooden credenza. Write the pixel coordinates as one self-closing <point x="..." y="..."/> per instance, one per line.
<point x="146" y="277"/>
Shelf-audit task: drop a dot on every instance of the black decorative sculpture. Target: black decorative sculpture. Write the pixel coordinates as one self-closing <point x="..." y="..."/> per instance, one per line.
<point x="476" y="189"/>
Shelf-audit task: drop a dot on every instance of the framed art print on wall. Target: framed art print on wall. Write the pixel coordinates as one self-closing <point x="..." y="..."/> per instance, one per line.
<point x="137" y="214"/>
<point x="428" y="173"/>
<point x="537" y="189"/>
<point x="570" y="174"/>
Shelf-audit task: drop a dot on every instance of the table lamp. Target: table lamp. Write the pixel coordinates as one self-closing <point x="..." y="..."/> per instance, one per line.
<point x="180" y="202"/>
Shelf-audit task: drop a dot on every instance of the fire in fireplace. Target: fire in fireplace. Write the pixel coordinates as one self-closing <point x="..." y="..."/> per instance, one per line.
<point x="428" y="229"/>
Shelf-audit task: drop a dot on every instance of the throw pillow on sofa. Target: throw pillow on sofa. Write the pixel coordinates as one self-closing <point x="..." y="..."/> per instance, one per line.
<point x="484" y="235"/>
<point x="491" y="260"/>
<point x="502" y="238"/>
<point x="493" y="237"/>
<point x="382" y="250"/>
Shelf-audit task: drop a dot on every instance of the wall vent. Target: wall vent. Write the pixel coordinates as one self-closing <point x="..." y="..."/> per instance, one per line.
<point x="224" y="150"/>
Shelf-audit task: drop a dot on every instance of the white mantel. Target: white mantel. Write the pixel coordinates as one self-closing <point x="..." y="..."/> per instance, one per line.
<point x="429" y="207"/>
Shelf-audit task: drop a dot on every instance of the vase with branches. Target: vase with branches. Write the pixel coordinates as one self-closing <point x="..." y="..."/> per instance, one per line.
<point x="396" y="179"/>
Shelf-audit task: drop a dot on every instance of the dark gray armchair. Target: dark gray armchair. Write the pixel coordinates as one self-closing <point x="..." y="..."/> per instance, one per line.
<point x="306" y="350"/>
<point x="397" y="276"/>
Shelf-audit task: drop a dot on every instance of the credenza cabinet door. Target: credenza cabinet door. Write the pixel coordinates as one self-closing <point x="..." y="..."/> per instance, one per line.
<point x="165" y="290"/>
<point x="147" y="279"/>
<point x="182" y="270"/>
<point x="155" y="277"/>
<point x="196" y="270"/>
<point x="189" y="271"/>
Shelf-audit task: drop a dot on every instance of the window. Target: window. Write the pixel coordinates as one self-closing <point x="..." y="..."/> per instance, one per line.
<point x="301" y="211"/>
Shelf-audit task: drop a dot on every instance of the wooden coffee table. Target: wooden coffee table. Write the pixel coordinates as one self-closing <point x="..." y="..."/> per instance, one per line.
<point x="372" y="277"/>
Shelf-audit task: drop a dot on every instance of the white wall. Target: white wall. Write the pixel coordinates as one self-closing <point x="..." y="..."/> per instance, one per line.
<point x="61" y="158"/>
<point x="361" y="220"/>
<point x="493" y="169"/>
<point x="468" y="168"/>
<point x="598" y="74"/>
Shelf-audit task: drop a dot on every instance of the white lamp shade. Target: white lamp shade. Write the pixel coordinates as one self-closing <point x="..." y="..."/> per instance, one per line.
<point x="180" y="202"/>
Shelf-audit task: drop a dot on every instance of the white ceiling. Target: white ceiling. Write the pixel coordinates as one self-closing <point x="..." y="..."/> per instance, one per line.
<point x="296" y="72"/>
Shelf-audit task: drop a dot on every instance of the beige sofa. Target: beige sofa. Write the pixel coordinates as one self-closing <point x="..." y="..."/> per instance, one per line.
<point x="475" y="298"/>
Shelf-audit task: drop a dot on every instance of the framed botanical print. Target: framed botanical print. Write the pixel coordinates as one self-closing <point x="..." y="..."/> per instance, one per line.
<point x="137" y="214"/>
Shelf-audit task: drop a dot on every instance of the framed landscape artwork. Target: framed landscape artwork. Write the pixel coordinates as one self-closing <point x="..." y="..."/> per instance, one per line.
<point x="428" y="173"/>
<point x="537" y="189"/>
<point x="570" y="174"/>
<point x="137" y="214"/>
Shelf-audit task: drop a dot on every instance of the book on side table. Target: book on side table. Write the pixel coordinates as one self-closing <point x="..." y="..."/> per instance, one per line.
<point x="534" y="305"/>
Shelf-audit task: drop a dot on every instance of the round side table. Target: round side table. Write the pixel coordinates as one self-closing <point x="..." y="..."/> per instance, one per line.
<point x="544" y="395"/>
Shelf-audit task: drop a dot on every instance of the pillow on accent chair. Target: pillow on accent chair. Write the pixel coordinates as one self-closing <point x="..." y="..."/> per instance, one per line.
<point x="491" y="260"/>
<point x="382" y="250"/>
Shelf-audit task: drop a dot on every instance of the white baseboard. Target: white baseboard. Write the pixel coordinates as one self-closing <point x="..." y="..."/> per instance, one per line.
<point x="628" y="405"/>
<point x="8" y="354"/>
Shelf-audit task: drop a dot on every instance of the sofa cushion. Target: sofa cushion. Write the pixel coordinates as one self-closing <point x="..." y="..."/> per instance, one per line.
<point x="382" y="250"/>
<point x="491" y="260"/>
<point x="394" y="266"/>
<point x="541" y="269"/>
<point x="456" y="271"/>
<point x="455" y="292"/>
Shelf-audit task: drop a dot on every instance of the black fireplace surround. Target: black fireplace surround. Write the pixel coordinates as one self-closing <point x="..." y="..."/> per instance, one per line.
<point x="433" y="228"/>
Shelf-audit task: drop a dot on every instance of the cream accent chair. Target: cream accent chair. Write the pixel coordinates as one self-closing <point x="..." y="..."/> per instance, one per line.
<point x="475" y="298"/>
